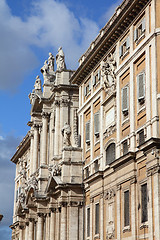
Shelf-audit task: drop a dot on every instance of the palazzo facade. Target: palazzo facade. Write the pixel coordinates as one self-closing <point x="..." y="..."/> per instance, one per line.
<point x="89" y="168"/>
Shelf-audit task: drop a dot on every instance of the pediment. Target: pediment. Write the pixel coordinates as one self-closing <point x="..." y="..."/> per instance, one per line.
<point x="52" y="183"/>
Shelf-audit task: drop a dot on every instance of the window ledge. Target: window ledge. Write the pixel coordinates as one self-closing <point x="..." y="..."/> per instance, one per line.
<point x="125" y="54"/>
<point x="144" y="225"/>
<point x="140" y="38"/>
<point x="126" y="229"/>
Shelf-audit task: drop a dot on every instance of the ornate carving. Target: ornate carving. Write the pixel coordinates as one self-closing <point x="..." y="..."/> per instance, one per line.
<point x="91" y="200"/>
<point x="110" y="232"/>
<point x="64" y="102"/>
<point x="57" y="103"/>
<point x="22" y="197"/>
<point x="118" y="187"/>
<point x="55" y="170"/>
<point x="109" y="131"/>
<point x="110" y="193"/>
<point x="36" y="92"/>
<point x="75" y="127"/>
<point x="66" y="132"/>
<point x="48" y="69"/>
<point x="108" y="73"/>
<point x="45" y="114"/>
<point x="33" y="182"/>
<point x="60" y="60"/>
<point x="153" y="170"/>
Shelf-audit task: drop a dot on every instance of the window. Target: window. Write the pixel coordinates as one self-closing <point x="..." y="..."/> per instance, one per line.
<point x="96" y="166"/>
<point x="126" y="208"/>
<point x="125" y="147"/>
<point x="110" y="154"/>
<point x="96" y="124"/>
<point x="124" y="47"/>
<point x="96" y="78"/>
<point x="141" y="137"/>
<point x="88" y="132"/>
<point x="87" y="172"/>
<point x="88" y="222"/>
<point x="140" y="30"/>
<point x="141" y="87"/>
<point x="110" y="116"/>
<point x="97" y="218"/>
<point x="87" y="88"/>
<point x="125" y="100"/>
<point x="144" y="202"/>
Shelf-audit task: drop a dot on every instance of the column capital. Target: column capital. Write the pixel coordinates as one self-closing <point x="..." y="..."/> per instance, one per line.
<point x="118" y="187"/>
<point x="46" y="114"/>
<point x="57" y="103"/>
<point x="41" y="215"/>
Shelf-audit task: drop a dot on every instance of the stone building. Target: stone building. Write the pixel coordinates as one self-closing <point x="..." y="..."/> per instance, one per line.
<point x="89" y="168"/>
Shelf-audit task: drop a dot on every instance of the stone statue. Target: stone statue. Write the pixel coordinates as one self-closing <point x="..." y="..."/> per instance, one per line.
<point x="108" y="73"/>
<point x="66" y="132"/>
<point x="37" y="85"/>
<point x="60" y="60"/>
<point x="48" y="69"/>
<point x="36" y="92"/>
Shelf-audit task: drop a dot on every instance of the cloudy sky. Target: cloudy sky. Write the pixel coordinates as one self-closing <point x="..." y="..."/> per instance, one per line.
<point x="29" y="30"/>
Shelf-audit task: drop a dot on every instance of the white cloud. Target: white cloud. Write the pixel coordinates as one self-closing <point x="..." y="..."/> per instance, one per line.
<point x="49" y="25"/>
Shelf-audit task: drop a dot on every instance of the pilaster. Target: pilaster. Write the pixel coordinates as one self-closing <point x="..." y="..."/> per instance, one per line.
<point x="45" y="117"/>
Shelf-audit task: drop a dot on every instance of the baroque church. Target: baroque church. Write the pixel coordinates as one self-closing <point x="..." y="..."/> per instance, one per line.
<point x="89" y="167"/>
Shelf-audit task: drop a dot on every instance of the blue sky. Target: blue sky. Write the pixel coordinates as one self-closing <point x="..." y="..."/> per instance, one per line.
<point x="30" y="29"/>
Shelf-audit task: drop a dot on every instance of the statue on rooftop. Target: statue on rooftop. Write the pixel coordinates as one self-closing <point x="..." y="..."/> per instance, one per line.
<point x="48" y="69"/>
<point x="60" y="60"/>
<point x="37" y="85"/>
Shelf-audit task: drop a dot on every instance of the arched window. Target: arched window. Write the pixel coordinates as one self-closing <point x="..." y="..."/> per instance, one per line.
<point x="110" y="153"/>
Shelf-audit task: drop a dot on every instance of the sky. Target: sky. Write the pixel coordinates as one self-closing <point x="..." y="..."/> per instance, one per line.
<point x="29" y="30"/>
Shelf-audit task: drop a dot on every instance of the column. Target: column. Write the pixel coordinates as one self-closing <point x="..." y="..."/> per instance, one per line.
<point x="45" y="117"/>
<point x="52" y="224"/>
<point x="118" y="149"/>
<point x="63" y="221"/>
<point x="63" y="118"/>
<point x="118" y="212"/>
<point x="35" y="147"/>
<point x="132" y="109"/>
<point x="40" y="226"/>
<point x="91" y="218"/>
<point x="31" y="229"/>
<point x="20" y="232"/>
<point x="57" y="126"/>
<point x="51" y="130"/>
<point x="31" y="152"/>
<point x="156" y="203"/>
<point x="47" y="232"/>
<point x="101" y="217"/>
<point x="148" y="93"/>
<point x="133" y="208"/>
<point x="26" y="231"/>
<point x="150" y="204"/>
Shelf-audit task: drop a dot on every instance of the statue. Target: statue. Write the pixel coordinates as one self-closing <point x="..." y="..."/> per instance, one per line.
<point x="66" y="132"/>
<point x="60" y="60"/>
<point x="48" y="69"/>
<point x="37" y="85"/>
<point x="36" y="92"/>
<point x="108" y="73"/>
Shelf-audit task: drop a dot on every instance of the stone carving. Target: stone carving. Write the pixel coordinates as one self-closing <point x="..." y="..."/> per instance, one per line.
<point x="109" y="131"/>
<point x="110" y="232"/>
<point x="22" y="197"/>
<point x="75" y="128"/>
<point x="108" y="73"/>
<point x="48" y="69"/>
<point x="32" y="183"/>
<point x="60" y="60"/>
<point x="66" y="132"/>
<point x="55" y="170"/>
<point x="110" y="193"/>
<point x="36" y="92"/>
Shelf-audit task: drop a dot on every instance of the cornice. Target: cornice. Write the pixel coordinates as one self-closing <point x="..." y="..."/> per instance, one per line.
<point x="23" y="146"/>
<point x="113" y="30"/>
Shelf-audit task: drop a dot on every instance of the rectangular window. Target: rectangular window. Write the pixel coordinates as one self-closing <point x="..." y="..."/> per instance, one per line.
<point x="125" y="147"/>
<point x="140" y="29"/>
<point x="88" y="222"/>
<point x="96" y="124"/>
<point x="125" y="100"/>
<point x="88" y="132"/>
<point x="97" y="218"/>
<point x="87" y="88"/>
<point x="141" y="137"/>
<point x="144" y="202"/>
<point x="96" y="78"/>
<point x="141" y="87"/>
<point x="126" y="208"/>
<point x="124" y="47"/>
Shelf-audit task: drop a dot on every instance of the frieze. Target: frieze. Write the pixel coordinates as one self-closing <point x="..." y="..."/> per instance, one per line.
<point x="109" y="194"/>
<point x="109" y="131"/>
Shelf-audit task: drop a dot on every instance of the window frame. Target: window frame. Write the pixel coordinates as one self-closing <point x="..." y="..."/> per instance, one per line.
<point x="125" y="111"/>
<point x="111" y="161"/>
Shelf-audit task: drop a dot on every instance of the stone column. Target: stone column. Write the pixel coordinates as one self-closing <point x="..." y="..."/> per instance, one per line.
<point x="63" y="221"/>
<point x="40" y="227"/>
<point x="118" y="97"/>
<point x="26" y="231"/>
<point x="51" y="130"/>
<point x="31" y="152"/>
<point x="132" y="109"/>
<point x="64" y="104"/>
<point x="57" y="126"/>
<point x="52" y="224"/>
<point x="101" y="217"/>
<point x="47" y="232"/>
<point x="35" y="147"/>
<point x="150" y="204"/>
<point x="73" y="220"/>
<point x="31" y="229"/>
<point x="91" y="217"/>
<point x="133" y="208"/>
<point x="20" y="232"/>
<point x="118" y="212"/>
<point x="45" y="117"/>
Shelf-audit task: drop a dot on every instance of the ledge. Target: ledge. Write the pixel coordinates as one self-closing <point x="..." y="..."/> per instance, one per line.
<point x="150" y="143"/>
<point x="94" y="176"/>
<point x="130" y="156"/>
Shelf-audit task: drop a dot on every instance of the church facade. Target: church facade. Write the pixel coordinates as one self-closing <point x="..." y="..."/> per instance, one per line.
<point x="89" y="168"/>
